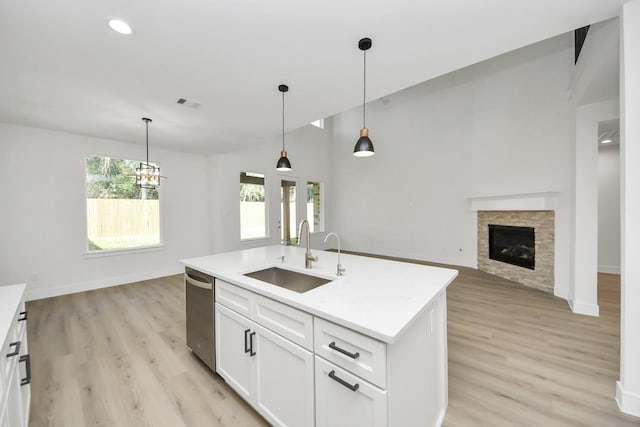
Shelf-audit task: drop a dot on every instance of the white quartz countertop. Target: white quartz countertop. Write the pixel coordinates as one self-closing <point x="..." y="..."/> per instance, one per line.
<point x="379" y="298"/>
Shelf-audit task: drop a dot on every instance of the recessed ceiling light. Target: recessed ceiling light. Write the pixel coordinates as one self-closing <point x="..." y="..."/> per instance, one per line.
<point x="119" y="26"/>
<point x="605" y="141"/>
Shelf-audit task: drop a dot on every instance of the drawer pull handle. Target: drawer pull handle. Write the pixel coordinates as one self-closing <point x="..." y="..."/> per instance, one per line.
<point x="246" y="341"/>
<point x="251" y="352"/>
<point x="23" y="316"/>
<point x="26" y="380"/>
<point x="17" y="349"/>
<point x="334" y="377"/>
<point x="333" y="346"/>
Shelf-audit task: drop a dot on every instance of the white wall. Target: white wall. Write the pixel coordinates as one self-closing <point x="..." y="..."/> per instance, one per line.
<point x="628" y="388"/>
<point x="503" y="126"/>
<point x="308" y="150"/>
<point x="43" y="214"/>
<point x="583" y="296"/>
<point x="594" y="90"/>
<point x="609" y="209"/>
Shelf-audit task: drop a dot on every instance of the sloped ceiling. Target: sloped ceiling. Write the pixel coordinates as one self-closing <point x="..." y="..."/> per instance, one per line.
<point x="63" y="68"/>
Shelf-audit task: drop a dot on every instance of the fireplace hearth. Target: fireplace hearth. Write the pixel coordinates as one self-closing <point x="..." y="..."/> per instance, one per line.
<point x="513" y="245"/>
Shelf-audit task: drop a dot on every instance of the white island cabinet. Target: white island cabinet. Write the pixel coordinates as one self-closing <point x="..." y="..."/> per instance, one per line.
<point x="366" y="349"/>
<point x="271" y="372"/>
<point x="15" y="369"/>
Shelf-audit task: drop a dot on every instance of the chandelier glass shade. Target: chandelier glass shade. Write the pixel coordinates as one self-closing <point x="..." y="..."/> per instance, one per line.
<point x="147" y="174"/>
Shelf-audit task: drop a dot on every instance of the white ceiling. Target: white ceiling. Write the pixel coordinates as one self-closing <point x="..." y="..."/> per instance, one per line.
<point x="63" y="68"/>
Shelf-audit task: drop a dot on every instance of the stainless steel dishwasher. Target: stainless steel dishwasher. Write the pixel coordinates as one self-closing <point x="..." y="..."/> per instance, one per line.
<point x="199" y="308"/>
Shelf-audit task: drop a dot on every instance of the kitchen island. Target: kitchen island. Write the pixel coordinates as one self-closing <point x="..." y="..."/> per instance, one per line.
<point x="367" y="348"/>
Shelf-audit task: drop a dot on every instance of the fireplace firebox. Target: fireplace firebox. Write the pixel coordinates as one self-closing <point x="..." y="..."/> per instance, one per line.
<point x="513" y="245"/>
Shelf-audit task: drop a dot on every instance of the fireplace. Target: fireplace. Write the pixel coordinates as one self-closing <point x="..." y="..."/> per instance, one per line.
<point x="513" y="245"/>
<point x="541" y="274"/>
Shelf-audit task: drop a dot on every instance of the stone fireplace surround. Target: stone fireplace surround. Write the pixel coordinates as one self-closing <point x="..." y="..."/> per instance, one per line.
<point x="542" y="276"/>
<point x="530" y="210"/>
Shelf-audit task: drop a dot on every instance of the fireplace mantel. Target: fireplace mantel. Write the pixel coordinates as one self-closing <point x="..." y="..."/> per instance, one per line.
<point x="544" y="201"/>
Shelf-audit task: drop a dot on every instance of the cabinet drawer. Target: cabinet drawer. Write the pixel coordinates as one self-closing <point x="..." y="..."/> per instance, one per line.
<point x="344" y="400"/>
<point x="357" y="353"/>
<point x="234" y="297"/>
<point x="287" y="321"/>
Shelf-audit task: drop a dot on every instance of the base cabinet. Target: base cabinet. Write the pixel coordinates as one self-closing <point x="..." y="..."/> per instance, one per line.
<point x="232" y="361"/>
<point x="15" y="369"/>
<point x="345" y="400"/>
<point x="270" y="372"/>
<point x="299" y="370"/>
<point x="284" y="380"/>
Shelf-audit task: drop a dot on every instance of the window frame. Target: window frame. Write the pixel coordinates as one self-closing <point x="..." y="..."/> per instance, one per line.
<point x="267" y="233"/>
<point x="321" y="191"/>
<point x="318" y="123"/>
<point x="89" y="253"/>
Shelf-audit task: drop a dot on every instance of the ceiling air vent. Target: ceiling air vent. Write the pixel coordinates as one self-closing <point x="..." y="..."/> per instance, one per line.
<point x="189" y="103"/>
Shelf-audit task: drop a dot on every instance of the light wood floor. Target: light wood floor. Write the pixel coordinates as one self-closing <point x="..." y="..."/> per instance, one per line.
<point x="517" y="357"/>
<point x="117" y="357"/>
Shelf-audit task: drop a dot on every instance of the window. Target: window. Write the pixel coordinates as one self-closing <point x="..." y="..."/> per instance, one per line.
<point x="120" y="215"/>
<point x="253" y="212"/>
<point x="314" y="207"/>
<point x="288" y="212"/>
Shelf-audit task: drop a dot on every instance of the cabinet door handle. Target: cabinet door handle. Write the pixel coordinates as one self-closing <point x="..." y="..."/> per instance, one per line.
<point x="23" y="316"/>
<point x="17" y="349"/>
<point x="246" y="341"/>
<point x="333" y="346"/>
<point x="251" y="352"/>
<point x="26" y="380"/>
<point x="334" y="377"/>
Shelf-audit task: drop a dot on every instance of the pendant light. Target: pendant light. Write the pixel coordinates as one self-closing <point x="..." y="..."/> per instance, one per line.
<point x="147" y="175"/>
<point x="283" y="163"/>
<point x="364" y="146"/>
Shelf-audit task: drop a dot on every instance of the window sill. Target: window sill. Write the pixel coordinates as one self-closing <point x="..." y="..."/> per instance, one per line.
<point x="124" y="251"/>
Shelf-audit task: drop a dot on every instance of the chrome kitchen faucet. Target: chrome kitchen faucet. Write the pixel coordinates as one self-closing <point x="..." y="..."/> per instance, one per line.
<point x="308" y="257"/>
<point x="339" y="268"/>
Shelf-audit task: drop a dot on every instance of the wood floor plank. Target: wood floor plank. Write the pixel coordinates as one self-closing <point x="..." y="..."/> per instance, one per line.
<point x="517" y="357"/>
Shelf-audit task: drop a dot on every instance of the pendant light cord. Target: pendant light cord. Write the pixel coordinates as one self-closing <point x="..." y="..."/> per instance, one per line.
<point x="147" y="123"/>
<point x="282" y="121"/>
<point x="364" y="95"/>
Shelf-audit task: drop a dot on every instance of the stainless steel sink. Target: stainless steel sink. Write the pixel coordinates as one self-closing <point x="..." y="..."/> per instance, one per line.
<point x="288" y="279"/>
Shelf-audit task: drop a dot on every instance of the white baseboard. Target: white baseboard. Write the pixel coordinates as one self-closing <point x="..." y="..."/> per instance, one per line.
<point x="628" y="402"/>
<point x="71" y="288"/>
<point x="610" y="269"/>
<point x="584" y="308"/>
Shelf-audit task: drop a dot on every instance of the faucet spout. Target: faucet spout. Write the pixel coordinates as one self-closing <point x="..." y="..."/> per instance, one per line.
<point x="308" y="257"/>
<point x="339" y="268"/>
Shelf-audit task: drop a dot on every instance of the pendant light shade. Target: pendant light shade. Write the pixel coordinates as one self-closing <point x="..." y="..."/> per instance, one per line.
<point x="147" y="174"/>
<point x="364" y="146"/>
<point x="283" y="162"/>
